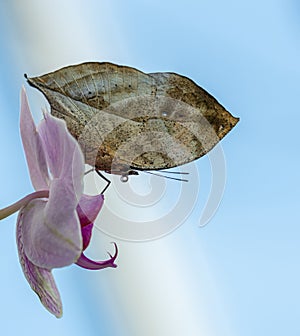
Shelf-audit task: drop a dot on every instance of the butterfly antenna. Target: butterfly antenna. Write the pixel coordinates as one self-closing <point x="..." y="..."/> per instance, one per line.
<point x="173" y="172"/>
<point x="167" y="177"/>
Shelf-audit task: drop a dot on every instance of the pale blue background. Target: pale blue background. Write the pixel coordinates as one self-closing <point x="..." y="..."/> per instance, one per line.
<point x="245" y="53"/>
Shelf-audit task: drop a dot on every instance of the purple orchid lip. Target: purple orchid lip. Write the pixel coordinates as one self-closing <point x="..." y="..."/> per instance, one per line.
<point x="55" y="223"/>
<point x="87" y="263"/>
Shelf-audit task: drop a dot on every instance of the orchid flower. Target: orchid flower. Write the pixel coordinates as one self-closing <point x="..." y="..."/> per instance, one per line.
<point x="55" y="222"/>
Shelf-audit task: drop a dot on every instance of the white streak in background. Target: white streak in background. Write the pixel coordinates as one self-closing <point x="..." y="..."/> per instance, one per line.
<point x="162" y="287"/>
<point x="59" y="33"/>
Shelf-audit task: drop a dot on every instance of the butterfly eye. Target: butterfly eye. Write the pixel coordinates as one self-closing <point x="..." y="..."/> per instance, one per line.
<point x="124" y="178"/>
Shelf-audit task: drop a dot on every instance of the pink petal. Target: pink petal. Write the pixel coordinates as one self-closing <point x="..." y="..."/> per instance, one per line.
<point x="40" y="279"/>
<point x="51" y="230"/>
<point x="64" y="156"/>
<point x="33" y="147"/>
<point x="87" y="263"/>
<point x="88" y="208"/>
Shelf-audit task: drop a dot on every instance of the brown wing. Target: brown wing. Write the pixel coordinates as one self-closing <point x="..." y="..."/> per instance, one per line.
<point x="124" y="117"/>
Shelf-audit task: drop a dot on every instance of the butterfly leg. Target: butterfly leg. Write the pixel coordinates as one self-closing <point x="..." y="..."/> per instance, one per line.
<point x="105" y="179"/>
<point x="89" y="171"/>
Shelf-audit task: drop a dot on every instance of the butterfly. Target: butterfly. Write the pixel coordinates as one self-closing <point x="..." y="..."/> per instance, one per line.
<point x="128" y="121"/>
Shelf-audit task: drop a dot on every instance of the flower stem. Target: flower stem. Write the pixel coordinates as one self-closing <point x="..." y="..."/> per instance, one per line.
<point x="22" y="202"/>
